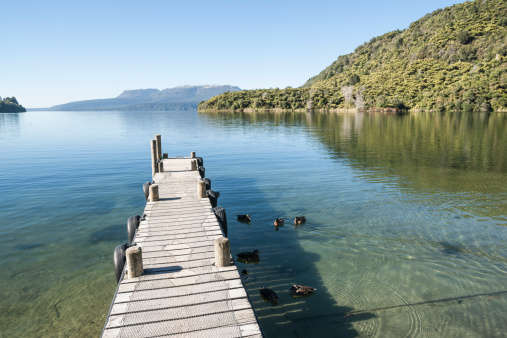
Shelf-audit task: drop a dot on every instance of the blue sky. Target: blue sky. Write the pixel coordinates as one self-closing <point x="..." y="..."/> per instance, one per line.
<point x="53" y="52"/>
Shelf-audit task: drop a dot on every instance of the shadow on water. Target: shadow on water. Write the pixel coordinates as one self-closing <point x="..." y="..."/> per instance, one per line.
<point x="450" y="249"/>
<point x="28" y="246"/>
<point x="108" y="234"/>
<point x="283" y="263"/>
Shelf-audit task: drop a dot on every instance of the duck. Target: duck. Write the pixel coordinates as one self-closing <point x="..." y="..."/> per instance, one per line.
<point x="279" y="221"/>
<point x="249" y="255"/>
<point x="269" y="295"/>
<point x="301" y="290"/>
<point x="244" y="218"/>
<point x="244" y="276"/>
<point x="299" y="219"/>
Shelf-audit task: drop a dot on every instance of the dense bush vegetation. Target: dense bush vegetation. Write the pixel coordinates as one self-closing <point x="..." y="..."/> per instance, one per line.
<point x="10" y="105"/>
<point x="453" y="59"/>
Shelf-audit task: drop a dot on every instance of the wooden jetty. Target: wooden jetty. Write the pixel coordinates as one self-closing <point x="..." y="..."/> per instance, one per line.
<point x="179" y="279"/>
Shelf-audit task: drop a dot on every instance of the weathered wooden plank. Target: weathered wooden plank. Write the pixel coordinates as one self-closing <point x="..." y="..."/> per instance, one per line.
<point x="187" y="319"/>
<point x="155" y="299"/>
<point x="177" y="259"/>
<point x="150" y="238"/>
<point x="250" y="330"/>
<point x="228" y="272"/>
<point x="161" y="231"/>
<point x="154" y="254"/>
<point x="177" y="220"/>
<point x="176" y="246"/>
<point x="247" y="330"/>
<point x="162" y="266"/>
<point x="181" y="286"/>
<point x="146" y="243"/>
<point x="189" y="240"/>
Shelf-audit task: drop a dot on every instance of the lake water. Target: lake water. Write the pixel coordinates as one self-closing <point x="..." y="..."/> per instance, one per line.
<point x="406" y="231"/>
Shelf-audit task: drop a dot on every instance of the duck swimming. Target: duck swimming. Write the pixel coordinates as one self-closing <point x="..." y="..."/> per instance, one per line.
<point x="244" y="276"/>
<point x="279" y="221"/>
<point x="299" y="220"/>
<point x="244" y="218"/>
<point x="301" y="290"/>
<point x="269" y="295"/>
<point x="249" y="255"/>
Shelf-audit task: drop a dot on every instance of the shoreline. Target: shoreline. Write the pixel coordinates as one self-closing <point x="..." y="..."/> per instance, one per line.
<point x="336" y="110"/>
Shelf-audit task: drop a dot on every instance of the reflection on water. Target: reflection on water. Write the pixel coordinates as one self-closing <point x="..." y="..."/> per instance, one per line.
<point x="406" y="223"/>
<point x="434" y="154"/>
<point x="405" y="230"/>
<point x="9" y="123"/>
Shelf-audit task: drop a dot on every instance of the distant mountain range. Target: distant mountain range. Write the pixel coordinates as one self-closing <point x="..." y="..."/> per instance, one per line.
<point x="177" y="98"/>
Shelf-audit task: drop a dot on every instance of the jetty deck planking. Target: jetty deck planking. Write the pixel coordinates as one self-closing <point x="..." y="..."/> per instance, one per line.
<point x="181" y="293"/>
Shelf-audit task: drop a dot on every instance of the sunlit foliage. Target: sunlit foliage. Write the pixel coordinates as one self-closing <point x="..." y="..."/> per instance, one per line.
<point x="454" y="59"/>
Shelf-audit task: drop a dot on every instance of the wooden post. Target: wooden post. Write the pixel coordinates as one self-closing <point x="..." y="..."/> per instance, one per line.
<point x="153" y="145"/>
<point x="146" y="190"/>
<point x="193" y="165"/>
<point x="192" y="154"/>
<point x="222" y="252"/>
<point x="153" y="193"/>
<point x="160" y="167"/>
<point x="158" y="138"/>
<point x="134" y="261"/>
<point x="201" y="189"/>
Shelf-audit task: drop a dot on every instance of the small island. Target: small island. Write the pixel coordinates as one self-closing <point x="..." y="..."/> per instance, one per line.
<point x="11" y="105"/>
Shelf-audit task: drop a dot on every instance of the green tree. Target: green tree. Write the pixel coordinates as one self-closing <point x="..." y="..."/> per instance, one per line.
<point x="464" y="38"/>
<point x="353" y="79"/>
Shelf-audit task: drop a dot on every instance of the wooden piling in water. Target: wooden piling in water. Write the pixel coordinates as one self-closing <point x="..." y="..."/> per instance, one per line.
<point x="153" y="145"/>
<point x="158" y="139"/>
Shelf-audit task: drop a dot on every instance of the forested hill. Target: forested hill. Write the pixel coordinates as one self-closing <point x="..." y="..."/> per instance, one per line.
<point x="452" y="59"/>
<point x="177" y="98"/>
<point x="11" y="105"/>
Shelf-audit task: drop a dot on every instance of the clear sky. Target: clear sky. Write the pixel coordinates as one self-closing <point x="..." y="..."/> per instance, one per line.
<point x="54" y="52"/>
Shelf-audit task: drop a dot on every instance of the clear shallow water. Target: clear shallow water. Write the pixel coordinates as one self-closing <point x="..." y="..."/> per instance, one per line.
<point x="406" y="216"/>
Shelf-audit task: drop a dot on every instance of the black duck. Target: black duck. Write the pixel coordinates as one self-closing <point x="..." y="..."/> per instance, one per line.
<point x="244" y="218"/>
<point x="249" y="255"/>
<point x="269" y="295"/>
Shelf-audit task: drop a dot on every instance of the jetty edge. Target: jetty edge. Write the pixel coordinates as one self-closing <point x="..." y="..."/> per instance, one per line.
<point x="177" y="276"/>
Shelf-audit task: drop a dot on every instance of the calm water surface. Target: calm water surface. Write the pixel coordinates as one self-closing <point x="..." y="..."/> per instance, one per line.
<point x="406" y="231"/>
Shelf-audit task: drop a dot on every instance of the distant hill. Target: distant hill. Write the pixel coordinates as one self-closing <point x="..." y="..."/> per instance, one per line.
<point x="11" y="105"/>
<point x="453" y="59"/>
<point x="178" y="98"/>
